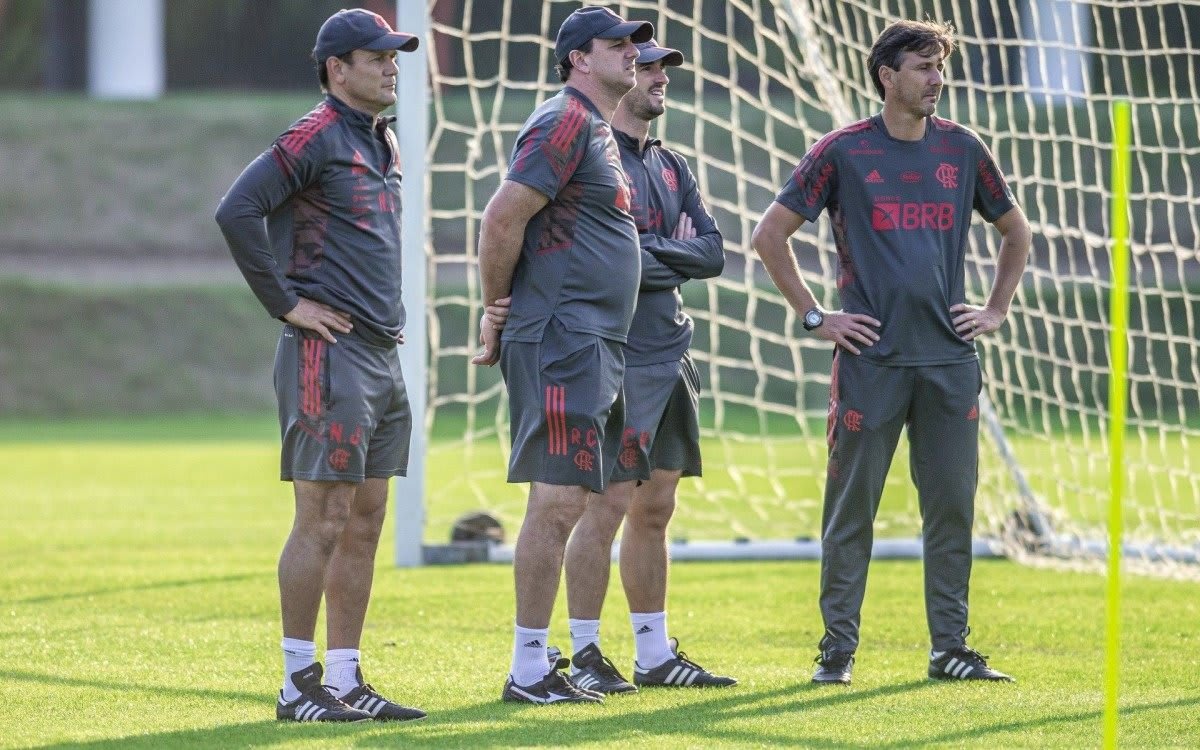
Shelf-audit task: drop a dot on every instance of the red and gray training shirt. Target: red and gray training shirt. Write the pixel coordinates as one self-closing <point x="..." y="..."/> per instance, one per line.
<point x="329" y="189"/>
<point x="664" y="188"/>
<point x="901" y="215"/>
<point x="580" y="259"/>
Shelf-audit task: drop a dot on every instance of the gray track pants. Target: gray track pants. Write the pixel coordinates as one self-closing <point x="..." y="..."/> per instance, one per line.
<point x="868" y="406"/>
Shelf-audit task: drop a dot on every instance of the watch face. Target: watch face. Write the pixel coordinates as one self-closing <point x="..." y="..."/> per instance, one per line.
<point x="813" y="318"/>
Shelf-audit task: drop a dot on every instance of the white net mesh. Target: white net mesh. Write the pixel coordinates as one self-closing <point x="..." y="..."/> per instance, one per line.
<point x="763" y="80"/>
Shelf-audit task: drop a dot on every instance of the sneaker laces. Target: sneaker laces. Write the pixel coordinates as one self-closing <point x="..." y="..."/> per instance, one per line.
<point x="607" y="669"/>
<point x="681" y="656"/>
<point x="559" y="682"/>
<point x="322" y="695"/>
<point x="966" y="653"/>
<point x="366" y="688"/>
<point x="833" y="659"/>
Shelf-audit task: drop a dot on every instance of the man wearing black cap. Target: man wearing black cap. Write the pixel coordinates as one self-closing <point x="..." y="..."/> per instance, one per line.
<point x="328" y="190"/>
<point x="661" y="440"/>
<point x="558" y="237"/>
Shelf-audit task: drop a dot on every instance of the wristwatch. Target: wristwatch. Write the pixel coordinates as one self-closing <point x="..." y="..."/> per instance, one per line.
<point x="813" y="319"/>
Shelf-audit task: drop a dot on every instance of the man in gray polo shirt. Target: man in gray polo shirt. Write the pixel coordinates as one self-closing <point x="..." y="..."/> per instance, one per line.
<point x="558" y="237"/>
<point x="900" y="188"/>
<point x="661" y="440"/>
<point x="323" y="202"/>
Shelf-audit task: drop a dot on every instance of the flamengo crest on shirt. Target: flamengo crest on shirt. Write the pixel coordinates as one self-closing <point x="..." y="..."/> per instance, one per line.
<point x="947" y="174"/>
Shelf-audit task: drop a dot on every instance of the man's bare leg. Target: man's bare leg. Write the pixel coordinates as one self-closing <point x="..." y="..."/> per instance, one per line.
<point x="551" y="515"/>
<point x="352" y="567"/>
<point x="644" y="542"/>
<point x="322" y="511"/>
<point x="589" y="551"/>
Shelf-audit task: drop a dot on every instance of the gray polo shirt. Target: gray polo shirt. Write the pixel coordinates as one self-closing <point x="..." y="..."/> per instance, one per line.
<point x="664" y="188"/>
<point x="901" y="215"/>
<point x="329" y="189"/>
<point x="580" y="260"/>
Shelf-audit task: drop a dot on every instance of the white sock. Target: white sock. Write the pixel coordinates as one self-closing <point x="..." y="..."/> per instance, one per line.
<point x="529" y="663"/>
<point x="341" y="669"/>
<point x="297" y="655"/>
<point x="650" y="638"/>
<point x="583" y="634"/>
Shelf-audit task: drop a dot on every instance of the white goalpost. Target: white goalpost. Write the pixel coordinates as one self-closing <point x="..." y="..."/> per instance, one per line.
<point x="763" y="80"/>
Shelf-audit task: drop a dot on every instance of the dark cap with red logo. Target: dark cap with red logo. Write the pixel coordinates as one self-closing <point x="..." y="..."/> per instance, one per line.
<point x="597" y="22"/>
<point x="650" y="52"/>
<point x="348" y="30"/>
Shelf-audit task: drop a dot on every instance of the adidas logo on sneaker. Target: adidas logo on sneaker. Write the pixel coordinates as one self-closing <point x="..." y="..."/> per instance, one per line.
<point x="963" y="663"/>
<point x="645" y="629"/>
<point x="315" y="702"/>
<point x="679" y="671"/>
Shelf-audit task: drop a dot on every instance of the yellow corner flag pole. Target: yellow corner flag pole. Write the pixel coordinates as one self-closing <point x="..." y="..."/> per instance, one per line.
<point x="1119" y="319"/>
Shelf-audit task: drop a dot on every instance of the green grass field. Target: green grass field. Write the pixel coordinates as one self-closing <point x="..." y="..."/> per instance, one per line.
<point x="141" y="611"/>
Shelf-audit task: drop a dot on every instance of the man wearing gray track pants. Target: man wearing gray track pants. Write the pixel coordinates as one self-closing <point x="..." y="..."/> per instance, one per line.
<point x="900" y="188"/>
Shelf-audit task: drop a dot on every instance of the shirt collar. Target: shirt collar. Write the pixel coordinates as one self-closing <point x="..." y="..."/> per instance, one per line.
<point x="631" y="143"/>
<point x="572" y="91"/>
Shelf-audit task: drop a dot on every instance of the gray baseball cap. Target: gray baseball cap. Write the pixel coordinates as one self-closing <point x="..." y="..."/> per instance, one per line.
<point x="597" y="22"/>
<point x="348" y="30"/>
<point x="649" y="52"/>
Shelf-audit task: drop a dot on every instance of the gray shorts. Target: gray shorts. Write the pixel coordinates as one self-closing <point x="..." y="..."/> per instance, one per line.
<point x="565" y="407"/>
<point x="343" y="409"/>
<point x="662" y="421"/>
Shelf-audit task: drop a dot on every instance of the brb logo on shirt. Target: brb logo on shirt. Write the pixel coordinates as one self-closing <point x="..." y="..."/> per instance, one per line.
<point x="895" y="215"/>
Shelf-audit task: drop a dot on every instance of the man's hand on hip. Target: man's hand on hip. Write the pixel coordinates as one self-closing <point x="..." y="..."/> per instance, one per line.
<point x="843" y="328"/>
<point x="972" y="322"/>
<point x="319" y="317"/>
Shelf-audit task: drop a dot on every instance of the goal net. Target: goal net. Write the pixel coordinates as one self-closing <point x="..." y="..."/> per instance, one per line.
<point x="763" y="80"/>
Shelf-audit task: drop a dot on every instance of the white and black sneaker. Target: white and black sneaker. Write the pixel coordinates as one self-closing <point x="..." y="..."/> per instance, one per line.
<point x="964" y="663"/>
<point x="678" y="672"/>
<point x="595" y="672"/>
<point x="553" y="688"/>
<point x="315" y="703"/>
<point x="553" y="654"/>
<point x="366" y="698"/>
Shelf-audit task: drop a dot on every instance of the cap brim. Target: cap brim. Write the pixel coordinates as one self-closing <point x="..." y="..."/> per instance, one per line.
<point x="638" y="31"/>
<point x="396" y="40"/>
<point x="666" y="54"/>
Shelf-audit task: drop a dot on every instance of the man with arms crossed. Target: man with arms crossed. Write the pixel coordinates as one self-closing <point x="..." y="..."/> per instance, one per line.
<point x="899" y="188"/>
<point x="559" y="238"/>
<point x="328" y="190"/>
<point x="661" y="439"/>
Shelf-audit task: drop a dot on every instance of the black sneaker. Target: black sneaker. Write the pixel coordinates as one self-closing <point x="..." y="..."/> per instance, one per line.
<point x="553" y="688"/>
<point x="833" y="667"/>
<point x="553" y="654"/>
<point x="315" y="703"/>
<point x="366" y="698"/>
<point x="964" y="663"/>
<point x="596" y="672"/>
<point x="678" y="672"/>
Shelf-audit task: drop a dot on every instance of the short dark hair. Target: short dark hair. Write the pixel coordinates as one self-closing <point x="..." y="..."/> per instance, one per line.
<point x="323" y="72"/>
<point x="564" y="66"/>
<point x="907" y="36"/>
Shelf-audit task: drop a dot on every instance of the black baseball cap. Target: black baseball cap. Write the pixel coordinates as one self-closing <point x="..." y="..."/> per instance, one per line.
<point x="597" y="22"/>
<point x="649" y="52"/>
<point x="348" y="30"/>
